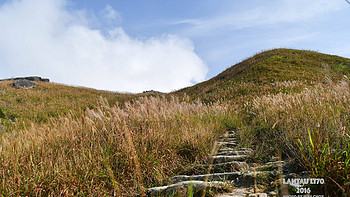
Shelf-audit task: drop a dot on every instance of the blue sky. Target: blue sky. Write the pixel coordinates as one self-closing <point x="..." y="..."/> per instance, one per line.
<point x="163" y="45"/>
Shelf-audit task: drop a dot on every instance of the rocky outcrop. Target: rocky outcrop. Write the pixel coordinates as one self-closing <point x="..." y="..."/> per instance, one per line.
<point x="150" y="92"/>
<point x="30" y="78"/>
<point x="33" y="78"/>
<point x="26" y="82"/>
<point x="23" y="83"/>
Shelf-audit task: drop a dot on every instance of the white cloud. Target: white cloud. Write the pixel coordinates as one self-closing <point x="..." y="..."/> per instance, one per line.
<point x="286" y="11"/>
<point x="110" y="14"/>
<point x="269" y="13"/>
<point x="40" y="37"/>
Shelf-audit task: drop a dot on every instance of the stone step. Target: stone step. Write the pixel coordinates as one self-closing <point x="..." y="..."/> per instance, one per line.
<point x="246" y="149"/>
<point x="232" y="166"/>
<point x="229" y="139"/>
<point x="242" y="192"/>
<point x="182" y="188"/>
<point x="227" y="136"/>
<point x="234" y="152"/>
<point x="237" y="192"/>
<point x="227" y="144"/>
<point x="228" y="169"/>
<point x="225" y="158"/>
<point x="207" y="177"/>
<point x="270" y="166"/>
<point x="236" y="178"/>
<point x="223" y="149"/>
<point x="218" y="182"/>
<point x="258" y="195"/>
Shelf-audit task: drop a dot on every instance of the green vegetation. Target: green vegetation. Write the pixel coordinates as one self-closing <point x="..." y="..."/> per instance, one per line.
<point x="62" y="140"/>
<point x="258" y="75"/>
<point x="48" y="100"/>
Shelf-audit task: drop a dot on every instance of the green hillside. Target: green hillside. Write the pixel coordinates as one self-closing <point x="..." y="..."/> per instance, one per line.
<point x="48" y="100"/>
<point x="258" y="75"/>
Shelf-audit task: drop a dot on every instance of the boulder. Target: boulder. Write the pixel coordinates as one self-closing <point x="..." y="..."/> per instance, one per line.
<point x="33" y="78"/>
<point x="23" y="83"/>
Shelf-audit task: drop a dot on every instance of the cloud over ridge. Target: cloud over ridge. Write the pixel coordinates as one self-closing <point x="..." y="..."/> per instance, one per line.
<point x="40" y="37"/>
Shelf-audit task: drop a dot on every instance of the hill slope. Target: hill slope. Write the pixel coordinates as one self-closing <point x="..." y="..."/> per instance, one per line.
<point x="48" y="100"/>
<point x="291" y="103"/>
<point x="265" y="69"/>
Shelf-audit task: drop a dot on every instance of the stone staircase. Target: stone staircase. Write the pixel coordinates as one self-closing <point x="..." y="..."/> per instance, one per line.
<point x="228" y="175"/>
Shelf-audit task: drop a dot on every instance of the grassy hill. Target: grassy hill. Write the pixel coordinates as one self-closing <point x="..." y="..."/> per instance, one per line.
<point x="49" y="100"/>
<point x="259" y="75"/>
<point x="62" y="140"/>
<point x="289" y="103"/>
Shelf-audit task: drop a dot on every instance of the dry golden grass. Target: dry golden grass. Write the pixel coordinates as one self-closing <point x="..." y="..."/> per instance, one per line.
<point x="311" y="126"/>
<point x="22" y="107"/>
<point x="61" y="140"/>
<point x="109" y="150"/>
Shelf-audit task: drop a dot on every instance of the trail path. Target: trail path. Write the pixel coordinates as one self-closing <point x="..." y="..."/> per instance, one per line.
<point x="228" y="175"/>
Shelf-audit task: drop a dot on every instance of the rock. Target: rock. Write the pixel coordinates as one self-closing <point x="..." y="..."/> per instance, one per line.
<point x="231" y="132"/>
<point x="229" y="158"/>
<point x="227" y="144"/>
<point x="207" y="177"/>
<point x="226" y="166"/>
<point x="237" y="192"/>
<point x="23" y="83"/>
<point x="237" y="152"/>
<point x="226" y="149"/>
<point x="227" y="136"/>
<point x="182" y="188"/>
<point x="33" y="78"/>
<point x="231" y="139"/>
<point x="233" y="166"/>
<point x="258" y="195"/>
<point x="238" y="178"/>
<point x="2" y="128"/>
<point x="151" y="92"/>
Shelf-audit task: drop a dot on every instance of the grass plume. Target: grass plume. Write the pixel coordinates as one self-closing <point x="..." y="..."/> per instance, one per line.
<point x="110" y="148"/>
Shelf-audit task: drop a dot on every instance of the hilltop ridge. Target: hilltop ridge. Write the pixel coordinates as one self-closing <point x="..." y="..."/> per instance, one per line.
<point x="266" y="68"/>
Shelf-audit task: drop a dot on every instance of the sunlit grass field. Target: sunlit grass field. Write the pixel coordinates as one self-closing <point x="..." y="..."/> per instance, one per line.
<point x="71" y="141"/>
